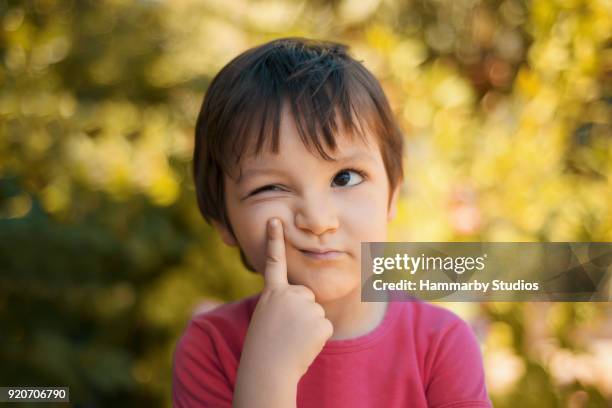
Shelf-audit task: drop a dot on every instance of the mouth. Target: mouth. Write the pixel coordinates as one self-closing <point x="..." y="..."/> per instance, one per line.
<point x="322" y="255"/>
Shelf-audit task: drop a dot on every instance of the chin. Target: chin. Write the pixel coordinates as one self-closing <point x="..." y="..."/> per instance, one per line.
<point x="326" y="292"/>
<point x="328" y="282"/>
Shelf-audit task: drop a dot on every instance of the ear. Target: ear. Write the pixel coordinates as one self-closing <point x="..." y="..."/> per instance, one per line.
<point x="226" y="234"/>
<point x="393" y="202"/>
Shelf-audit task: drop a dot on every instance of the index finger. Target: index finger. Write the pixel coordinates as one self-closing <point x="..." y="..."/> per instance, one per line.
<point x="275" y="274"/>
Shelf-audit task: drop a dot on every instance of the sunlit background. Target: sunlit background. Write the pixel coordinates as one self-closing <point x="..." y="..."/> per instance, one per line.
<point x="506" y="107"/>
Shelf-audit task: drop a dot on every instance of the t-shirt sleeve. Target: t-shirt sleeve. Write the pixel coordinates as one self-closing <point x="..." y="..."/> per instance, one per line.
<point x="198" y="379"/>
<point x="457" y="375"/>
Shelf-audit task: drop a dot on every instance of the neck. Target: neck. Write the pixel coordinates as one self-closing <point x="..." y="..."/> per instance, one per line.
<point x="351" y="317"/>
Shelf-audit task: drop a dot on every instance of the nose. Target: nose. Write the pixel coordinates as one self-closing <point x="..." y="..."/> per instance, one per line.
<point x="316" y="214"/>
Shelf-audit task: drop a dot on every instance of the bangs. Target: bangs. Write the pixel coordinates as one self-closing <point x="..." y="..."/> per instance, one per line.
<point x="324" y="98"/>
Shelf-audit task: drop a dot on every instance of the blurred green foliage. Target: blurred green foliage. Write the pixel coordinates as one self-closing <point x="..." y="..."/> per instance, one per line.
<point x="506" y="106"/>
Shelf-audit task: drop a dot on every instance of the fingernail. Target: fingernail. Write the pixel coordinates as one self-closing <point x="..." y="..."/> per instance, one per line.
<point x="274" y="222"/>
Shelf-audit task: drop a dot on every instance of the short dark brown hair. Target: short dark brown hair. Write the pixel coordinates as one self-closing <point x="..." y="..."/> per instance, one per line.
<point x="320" y="82"/>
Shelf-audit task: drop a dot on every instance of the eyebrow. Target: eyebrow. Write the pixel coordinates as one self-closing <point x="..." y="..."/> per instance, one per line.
<point x="250" y="173"/>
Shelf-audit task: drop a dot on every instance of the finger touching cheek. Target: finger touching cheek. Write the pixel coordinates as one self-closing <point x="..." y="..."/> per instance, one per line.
<point x="253" y="230"/>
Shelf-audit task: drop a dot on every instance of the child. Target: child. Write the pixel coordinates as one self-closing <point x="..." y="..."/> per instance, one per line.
<point x="298" y="159"/>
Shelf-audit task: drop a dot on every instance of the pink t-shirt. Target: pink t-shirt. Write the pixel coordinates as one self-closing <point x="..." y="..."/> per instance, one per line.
<point x="420" y="355"/>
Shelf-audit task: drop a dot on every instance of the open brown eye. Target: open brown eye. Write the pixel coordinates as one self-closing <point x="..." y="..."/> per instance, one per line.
<point x="344" y="177"/>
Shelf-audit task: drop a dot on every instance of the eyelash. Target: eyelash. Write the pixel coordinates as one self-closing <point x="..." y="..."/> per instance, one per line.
<point x="361" y="173"/>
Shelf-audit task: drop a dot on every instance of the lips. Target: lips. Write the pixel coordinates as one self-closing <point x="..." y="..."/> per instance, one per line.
<point x="321" y="254"/>
<point x="319" y="250"/>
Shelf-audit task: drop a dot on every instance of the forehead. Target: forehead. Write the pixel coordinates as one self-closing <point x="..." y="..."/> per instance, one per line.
<point x="349" y="145"/>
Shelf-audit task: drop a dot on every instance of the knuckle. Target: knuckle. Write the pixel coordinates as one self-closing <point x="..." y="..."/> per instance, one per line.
<point x="330" y="327"/>
<point x="273" y="258"/>
<point x="304" y="290"/>
<point x="320" y="310"/>
<point x="327" y="327"/>
<point x="297" y="288"/>
<point x="274" y="291"/>
<point x="266" y="293"/>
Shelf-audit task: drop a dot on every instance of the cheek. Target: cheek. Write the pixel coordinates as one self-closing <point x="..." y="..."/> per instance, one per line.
<point x="250" y="228"/>
<point x="364" y="216"/>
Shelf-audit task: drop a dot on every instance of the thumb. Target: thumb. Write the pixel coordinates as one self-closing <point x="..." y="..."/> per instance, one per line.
<point x="275" y="274"/>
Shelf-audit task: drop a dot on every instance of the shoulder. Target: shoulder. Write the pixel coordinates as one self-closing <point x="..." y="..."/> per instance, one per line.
<point x="439" y="334"/>
<point x="450" y="357"/>
<point x="226" y="317"/>
<point x="226" y="323"/>
<point x="431" y="320"/>
<point x="206" y="356"/>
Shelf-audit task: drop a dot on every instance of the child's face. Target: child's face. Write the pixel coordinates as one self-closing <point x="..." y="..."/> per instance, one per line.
<point x="322" y="205"/>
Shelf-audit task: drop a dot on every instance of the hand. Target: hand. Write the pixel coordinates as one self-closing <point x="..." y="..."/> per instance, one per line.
<point x="288" y="328"/>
